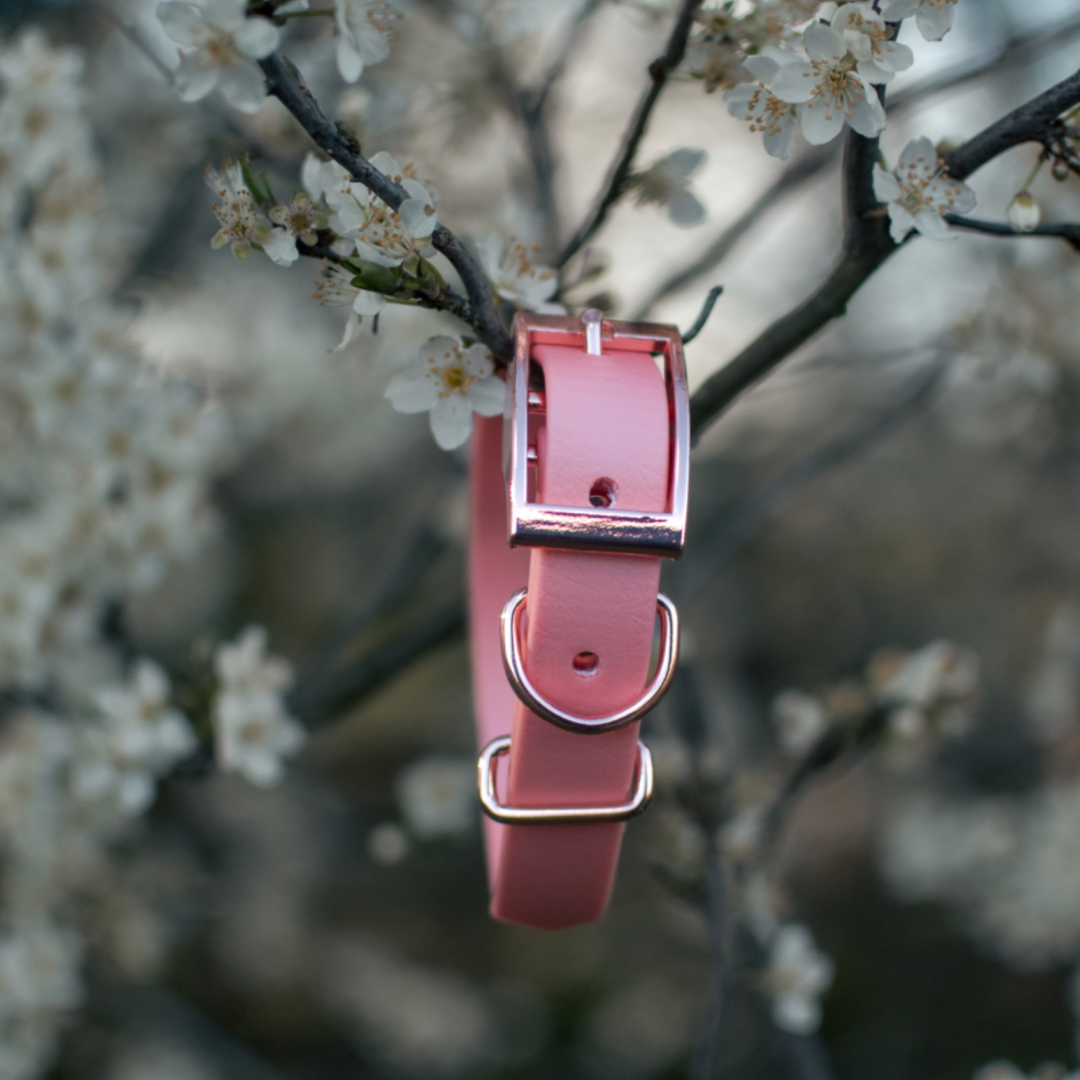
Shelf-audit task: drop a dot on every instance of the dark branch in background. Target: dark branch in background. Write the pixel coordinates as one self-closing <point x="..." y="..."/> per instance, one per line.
<point x="479" y="311"/>
<point x="814" y="161"/>
<point x="734" y="526"/>
<point x="376" y="667"/>
<point x="1062" y="231"/>
<point x="659" y="72"/>
<point x="867" y="245"/>
<point x="706" y="311"/>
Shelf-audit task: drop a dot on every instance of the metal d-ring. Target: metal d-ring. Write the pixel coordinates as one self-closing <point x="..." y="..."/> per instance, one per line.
<point x="534" y="700"/>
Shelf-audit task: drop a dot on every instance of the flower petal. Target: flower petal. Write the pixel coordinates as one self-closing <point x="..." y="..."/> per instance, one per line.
<point x="763" y="68"/>
<point x="183" y="22"/>
<point x="418" y="218"/>
<point x="794" y="83"/>
<point x="257" y="38"/>
<point x="778" y="143"/>
<point x="368" y="303"/>
<point x="823" y="43"/>
<point x="243" y="87"/>
<point x="820" y="123"/>
<point x="451" y="421"/>
<point x="281" y="247"/>
<point x="886" y="186"/>
<point x="686" y="209"/>
<point x="867" y="117"/>
<point x="192" y="80"/>
<point x="412" y="391"/>
<point x="487" y="397"/>
<point x="934" y="21"/>
<point x="348" y="60"/>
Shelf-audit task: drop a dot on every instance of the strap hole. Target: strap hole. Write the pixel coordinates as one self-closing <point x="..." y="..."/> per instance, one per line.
<point x="586" y="663"/>
<point x="603" y="493"/>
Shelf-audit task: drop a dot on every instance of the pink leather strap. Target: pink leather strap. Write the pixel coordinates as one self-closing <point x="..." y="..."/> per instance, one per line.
<point x="606" y="417"/>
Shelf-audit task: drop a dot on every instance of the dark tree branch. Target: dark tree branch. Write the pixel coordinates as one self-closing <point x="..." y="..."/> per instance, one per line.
<point x="742" y="521"/>
<point x="615" y="186"/>
<point x="867" y="245"/>
<point x="1070" y="232"/>
<point x="368" y="673"/>
<point x="479" y="311"/>
<point x="814" y="161"/>
<point x="703" y="317"/>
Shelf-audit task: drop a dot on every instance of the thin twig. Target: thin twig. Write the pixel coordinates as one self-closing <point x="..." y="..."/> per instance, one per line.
<point x="378" y="666"/>
<point x="1069" y="232"/>
<point x="867" y="245"/>
<point x="615" y="186"/>
<point x="479" y="311"/>
<point x="703" y="317"/>
<point x="742" y="522"/>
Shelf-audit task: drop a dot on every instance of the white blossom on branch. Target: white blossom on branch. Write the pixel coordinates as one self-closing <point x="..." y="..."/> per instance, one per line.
<point x="451" y="382"/>
<point x="253" y="730"/>
<point x="222" y="43"/>
<point x="829" y="90"/>
<point x="667" y="183"/>
<point x="934" y="18"/>
<point x="365" y="29"/>
<point x="762" y="109"/>
<point x="515" y="277"/>
<point x="798" y="974"/>
<point x="918" y="194"/>
<point x="877" y="57"/>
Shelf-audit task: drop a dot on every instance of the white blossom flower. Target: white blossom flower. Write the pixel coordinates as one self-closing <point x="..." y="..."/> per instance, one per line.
<point x="667" y="183"/>
<point x="140" y="738"/>
<point x="918" y="193"/>
<point x="515" y="277"/>
<point x="934" y="18"/>
<point x="800" y="719"/>
<point x="365" y="30"/>
<point x="437" y="797"/>
<point x="878" y="58"/>
<point x="336" y="288"/>
<point x="253" y="730"/>
<point x="452" y="382"/>
<point x="381" y="235"/>
<point x="1024" y="212"/>
<point x="295" y="220"/>
<point x="829" y="90"/>
<point x="799" y="973"/>
<point x="762" y="109"/>
<point x="241" y="223"/>
<point x="223" y="43"/>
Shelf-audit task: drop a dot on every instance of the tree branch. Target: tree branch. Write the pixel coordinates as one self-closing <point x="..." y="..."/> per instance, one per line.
<point x="703" y="317"/>
<point x="1070" y="232"/>
<point x="659" y="71"/>
<point x="866" y="246"/>
<point x="815" y="160"/>
<point x="480" y="311"/>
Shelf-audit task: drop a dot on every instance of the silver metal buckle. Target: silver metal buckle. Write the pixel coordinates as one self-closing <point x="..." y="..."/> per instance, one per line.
<point x="586" y="528"/>
<point x="534" y="700"/>
<point x="558" y="815"/>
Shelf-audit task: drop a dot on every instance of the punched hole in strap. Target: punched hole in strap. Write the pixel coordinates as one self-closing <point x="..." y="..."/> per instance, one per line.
<point x="546" y="710"/>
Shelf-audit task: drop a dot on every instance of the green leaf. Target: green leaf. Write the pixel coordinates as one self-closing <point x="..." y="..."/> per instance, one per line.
<point x="258" y="184"/>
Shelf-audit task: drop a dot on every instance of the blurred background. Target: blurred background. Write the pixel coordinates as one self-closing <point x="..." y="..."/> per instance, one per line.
<point x="883" y="570"/>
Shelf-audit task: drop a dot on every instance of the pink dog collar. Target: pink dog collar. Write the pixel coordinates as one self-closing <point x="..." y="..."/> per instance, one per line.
<point x="563" y="616"/>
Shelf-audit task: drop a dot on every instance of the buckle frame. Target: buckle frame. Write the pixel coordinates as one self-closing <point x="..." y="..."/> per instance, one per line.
<point x="559" y="815"/>
<point x="632" y="532"/>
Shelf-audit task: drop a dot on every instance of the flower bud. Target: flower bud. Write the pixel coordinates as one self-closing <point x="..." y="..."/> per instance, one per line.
<point x="1024" y="212"/>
